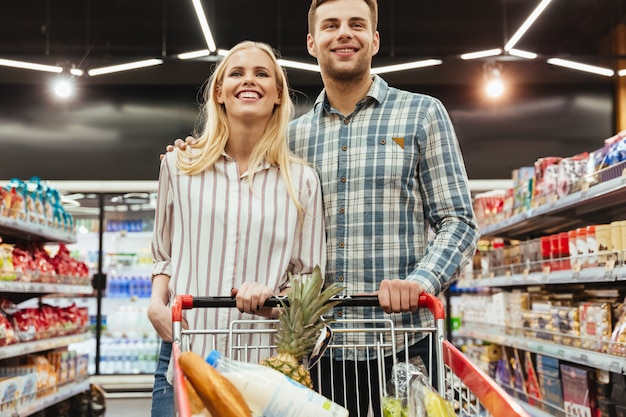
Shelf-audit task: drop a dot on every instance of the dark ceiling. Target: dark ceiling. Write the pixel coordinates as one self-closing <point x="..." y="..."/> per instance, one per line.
<point x="122" y="122"/>
<point x="95" y="33"/>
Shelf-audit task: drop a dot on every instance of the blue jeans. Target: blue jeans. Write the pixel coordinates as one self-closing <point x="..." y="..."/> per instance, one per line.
<point x="163" y="392"/>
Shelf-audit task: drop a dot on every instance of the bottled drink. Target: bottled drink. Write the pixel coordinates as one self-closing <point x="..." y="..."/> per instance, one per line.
<point x="272" y="394"/>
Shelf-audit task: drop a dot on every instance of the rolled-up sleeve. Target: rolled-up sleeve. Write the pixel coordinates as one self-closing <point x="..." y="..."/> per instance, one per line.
<point x="161" y="246"/>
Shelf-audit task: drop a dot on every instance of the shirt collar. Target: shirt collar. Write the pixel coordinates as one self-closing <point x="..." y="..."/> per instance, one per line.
<point x="378" y="91"/>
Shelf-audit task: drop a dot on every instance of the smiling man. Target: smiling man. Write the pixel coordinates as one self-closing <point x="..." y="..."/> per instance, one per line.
<point x="391" y="170"/>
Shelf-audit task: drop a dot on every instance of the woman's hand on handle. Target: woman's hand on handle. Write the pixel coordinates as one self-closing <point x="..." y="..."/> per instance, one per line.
<point x="399" y="295"/>
<point x="250" y="298"/>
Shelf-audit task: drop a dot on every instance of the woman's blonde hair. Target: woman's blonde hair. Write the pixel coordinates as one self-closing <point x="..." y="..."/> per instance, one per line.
<point x="212" y="139"/>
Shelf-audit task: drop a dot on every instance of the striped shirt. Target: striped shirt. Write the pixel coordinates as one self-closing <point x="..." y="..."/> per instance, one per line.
<point x="390" y="171"/>
<point x="213" y="232"/>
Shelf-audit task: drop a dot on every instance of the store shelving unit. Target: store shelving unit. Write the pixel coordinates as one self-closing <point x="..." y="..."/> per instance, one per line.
<point x="19" y="291"/>
<point x="601" y="203"/>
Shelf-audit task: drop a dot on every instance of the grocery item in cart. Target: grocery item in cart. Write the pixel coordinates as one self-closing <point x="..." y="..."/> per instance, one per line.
<point x="300" y="324"/>
<point x="270" y="393"/>
<point x="217" y="393"/>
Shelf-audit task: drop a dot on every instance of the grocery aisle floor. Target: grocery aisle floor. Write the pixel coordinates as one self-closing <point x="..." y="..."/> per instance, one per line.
<point x="128" y="407"/>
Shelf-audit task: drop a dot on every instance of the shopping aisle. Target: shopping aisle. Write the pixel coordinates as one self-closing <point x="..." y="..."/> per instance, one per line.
<point x="128" y="407"/>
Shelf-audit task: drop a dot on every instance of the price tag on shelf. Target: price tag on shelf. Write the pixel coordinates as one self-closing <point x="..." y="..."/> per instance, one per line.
<point x="576" y="267"/>
<point x="610" y="265"/>
<point x="526" y="272"/>
<point x="546" y="269"/>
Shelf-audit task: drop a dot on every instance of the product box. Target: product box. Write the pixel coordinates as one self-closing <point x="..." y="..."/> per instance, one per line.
<point x="578" y="390"/>
<point x="9" y="388"/>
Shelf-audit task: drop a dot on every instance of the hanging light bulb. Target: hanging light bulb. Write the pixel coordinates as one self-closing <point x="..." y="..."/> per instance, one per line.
<point x="63" y="88"/>
<point x="494" y="86"/>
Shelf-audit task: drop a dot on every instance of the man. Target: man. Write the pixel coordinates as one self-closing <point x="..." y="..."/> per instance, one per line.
<point x="391" y="171"/>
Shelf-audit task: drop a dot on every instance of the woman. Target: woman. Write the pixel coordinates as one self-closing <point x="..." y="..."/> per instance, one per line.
<point x="236" y="211"/>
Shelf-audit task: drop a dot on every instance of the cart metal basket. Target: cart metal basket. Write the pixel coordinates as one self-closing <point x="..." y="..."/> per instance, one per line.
<point x="470" y="390"/>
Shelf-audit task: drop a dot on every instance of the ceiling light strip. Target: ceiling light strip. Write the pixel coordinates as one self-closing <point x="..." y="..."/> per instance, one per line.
<point x="407" y="66"/>
<point x="204" y="24"/>
<point x="581" y="67"/>
<point x="30" y="66"/>
<point x="299" y="65"/>
<point x="125" y="67"/>
<point x="522" y="54"/>
<point x="481" y="54"/>
<point x="526" y="25"/>
<point x="194" y="54"/>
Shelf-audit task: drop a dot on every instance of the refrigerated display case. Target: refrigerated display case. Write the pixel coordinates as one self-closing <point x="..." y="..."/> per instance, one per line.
<point x="113" y="234"/>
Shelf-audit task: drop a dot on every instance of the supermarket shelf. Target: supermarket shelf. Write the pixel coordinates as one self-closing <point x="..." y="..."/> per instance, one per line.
<point x="64" y="392"/>
<point x="19" y="349"/>
<point x="583" y="276"/>
<point x="43" y="288"/>
<point x="571" y="211"/>
<point x="585" y="357"/>
<point x="124" y="383"/>
<point x="34" y="231"/>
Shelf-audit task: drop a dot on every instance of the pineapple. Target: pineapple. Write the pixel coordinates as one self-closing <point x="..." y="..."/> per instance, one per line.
<point x="300" y="324"/>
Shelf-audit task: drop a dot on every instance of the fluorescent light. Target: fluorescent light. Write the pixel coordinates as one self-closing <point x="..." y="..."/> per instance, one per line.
<point x="522" y="54"/>
<point x="482" y="54"/>
<point x="581" y="67"/>
<point x="125" y="67"/>
<point x="194" y="54"/>
<point x="622" y="73"/>
<point x="407" y="66"/>
<point x="526" y="25"/>
<point x="223" y="52"/>
<point x="30" y="65"/>
<point x="77" y="72"/>
<point x="204" y="24"/>
<point x="299" y="65"/>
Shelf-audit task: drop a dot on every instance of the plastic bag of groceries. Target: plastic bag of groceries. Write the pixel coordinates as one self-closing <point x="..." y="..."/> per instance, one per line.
<point x="410" y="394"/>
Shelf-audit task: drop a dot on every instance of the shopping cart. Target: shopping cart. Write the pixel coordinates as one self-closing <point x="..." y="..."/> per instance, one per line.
<point x="470" y="390"/>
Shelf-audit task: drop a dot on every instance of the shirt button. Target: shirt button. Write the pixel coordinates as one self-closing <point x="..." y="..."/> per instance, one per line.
<point x="340" y="278"/>
<point x="342" y="245"/>
<point x="342" y="210"/>
<point x="340" y="313"/>
<point x="383" y="141"/>
<point x="344" y="148"/>
<point x="343" y="179"/>
<point x="346" y="121"/>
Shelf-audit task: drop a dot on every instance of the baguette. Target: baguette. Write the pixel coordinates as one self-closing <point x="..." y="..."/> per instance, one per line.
<point x="217" y="393"/>
<point x="197" y="406"/>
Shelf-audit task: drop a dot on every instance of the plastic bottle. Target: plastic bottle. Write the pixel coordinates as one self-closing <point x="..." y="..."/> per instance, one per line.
<point x="270" y="393"/>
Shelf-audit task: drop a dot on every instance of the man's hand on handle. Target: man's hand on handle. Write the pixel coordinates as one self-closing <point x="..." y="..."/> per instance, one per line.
<point x="399" y="295"/>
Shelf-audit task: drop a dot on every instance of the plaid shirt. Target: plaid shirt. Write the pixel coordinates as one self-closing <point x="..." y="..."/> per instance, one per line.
<point x="390" y="171"/>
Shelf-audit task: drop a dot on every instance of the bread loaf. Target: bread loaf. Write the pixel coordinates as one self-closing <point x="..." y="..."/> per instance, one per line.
<point x="217" y="393"/>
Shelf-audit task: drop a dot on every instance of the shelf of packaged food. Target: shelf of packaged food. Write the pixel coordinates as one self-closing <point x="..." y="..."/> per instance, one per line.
<point x="498" y="335"/>
<point x="25" y="348"/>
<point x="62" y="393"/>
<point x="601" y="200"/>
<point x="31" y="230"/>
<point x="582" y="276"/>
<point x="43" y="288"/>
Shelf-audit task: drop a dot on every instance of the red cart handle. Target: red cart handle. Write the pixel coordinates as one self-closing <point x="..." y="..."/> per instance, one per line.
<point x="187" y="302"/>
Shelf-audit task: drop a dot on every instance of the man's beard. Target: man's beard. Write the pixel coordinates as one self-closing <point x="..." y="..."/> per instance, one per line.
<point x="360" y="69"/>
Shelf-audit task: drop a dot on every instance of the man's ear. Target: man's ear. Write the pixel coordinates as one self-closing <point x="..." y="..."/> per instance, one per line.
<point x="310" y="45"/>
<point x="376" y="43"/>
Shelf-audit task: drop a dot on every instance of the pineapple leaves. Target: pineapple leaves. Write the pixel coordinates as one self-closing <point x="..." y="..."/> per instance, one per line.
<point x="300" y="322"/>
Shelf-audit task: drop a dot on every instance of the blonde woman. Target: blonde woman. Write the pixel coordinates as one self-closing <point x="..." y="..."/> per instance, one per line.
<point x="236" y="211"/>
